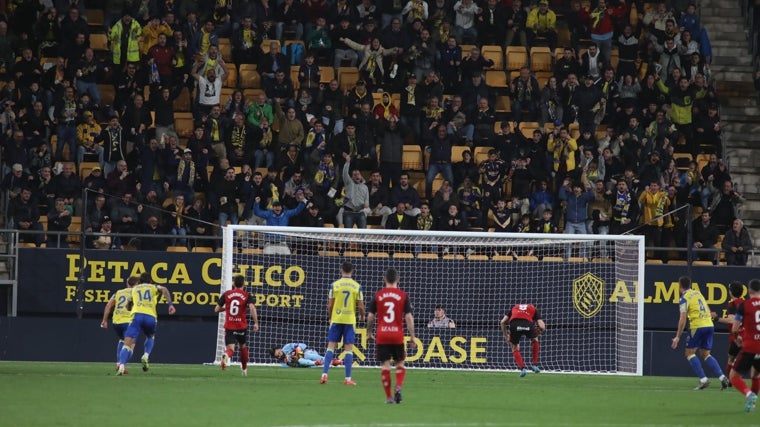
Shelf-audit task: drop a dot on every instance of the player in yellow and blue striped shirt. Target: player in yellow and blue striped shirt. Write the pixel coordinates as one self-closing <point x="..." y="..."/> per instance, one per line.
<point x="122" y="313"/>
<point x="694" y="308"/>
<point x="344" y="297"/>
<point x="144" y="299"/>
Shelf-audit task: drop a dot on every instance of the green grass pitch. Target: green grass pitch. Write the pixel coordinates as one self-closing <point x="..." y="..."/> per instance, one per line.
<point x="84" y="394"/>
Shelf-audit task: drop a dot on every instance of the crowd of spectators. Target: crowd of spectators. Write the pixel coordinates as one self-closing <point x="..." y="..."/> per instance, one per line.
<point x="606" y="142"/>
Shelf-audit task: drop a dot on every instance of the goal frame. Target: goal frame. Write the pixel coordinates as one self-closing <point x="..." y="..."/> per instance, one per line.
<point x="229" y="231"/>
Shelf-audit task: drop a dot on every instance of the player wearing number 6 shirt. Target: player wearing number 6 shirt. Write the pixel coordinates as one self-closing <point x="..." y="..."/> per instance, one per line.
<point x="747" y="320"/>
<point x="236" y="303"/>
<point x="693" y="308"/>
<point x="391" y="306"/>
<point x="342" y="301"/>
<point x="521" y="320"/>
<point x="122" y="313"/>
<point x="144" y="299"/>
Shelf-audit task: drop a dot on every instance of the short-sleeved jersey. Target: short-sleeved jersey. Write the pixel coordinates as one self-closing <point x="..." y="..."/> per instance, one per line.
<point x="346" y="293"/>
<point x="731" y="309"/>
<point x="748" y="314"/>
<point x="390" y="305"/>
<point x="235" y="302"/>
<point x="144" y="299"/>
<point x="527" y="312"/>
<point x="122" y="314"/>
<point x="697" y="311"/>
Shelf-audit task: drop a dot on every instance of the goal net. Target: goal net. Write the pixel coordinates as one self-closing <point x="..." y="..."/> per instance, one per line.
<point x="477" y="276"/>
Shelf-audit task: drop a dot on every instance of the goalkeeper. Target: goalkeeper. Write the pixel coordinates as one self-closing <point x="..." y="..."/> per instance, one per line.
<point x="299" y="355"/>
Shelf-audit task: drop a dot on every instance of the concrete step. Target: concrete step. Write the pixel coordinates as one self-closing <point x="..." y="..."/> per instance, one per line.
<point x="732" y="56"/>
<point x="725" y="73"/>
<point x="745" y="100"/>
<point x="717" y="26"/>
<point x="724" y="42"/>
<point x="735" y="36"/>
<point x="742" y="157"/>
<point x="720" y="11"/>
<point x="741" y="111"/>
<point x="720" y="4"/>
<point x="728" y="89"/>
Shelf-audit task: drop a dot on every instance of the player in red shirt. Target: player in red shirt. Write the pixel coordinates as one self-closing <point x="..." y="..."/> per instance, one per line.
<point x="737" y="291"/>
<point x="236" y="303"/>
<point x="391" y="306"/>
<point x="747" y="317"/>
<point x="521" y="320"/>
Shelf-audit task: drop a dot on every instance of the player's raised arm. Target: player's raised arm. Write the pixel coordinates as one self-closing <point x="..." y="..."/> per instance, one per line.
<point x="168" y="297"/>
<point x="106" y="312"/>
<point x="254" y="316"/>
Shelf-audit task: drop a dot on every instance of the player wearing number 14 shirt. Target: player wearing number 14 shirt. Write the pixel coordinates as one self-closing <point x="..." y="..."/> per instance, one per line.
<point x="747" y="320"/>
<point x="236" y="303"/>
<point x="391" y="307"/>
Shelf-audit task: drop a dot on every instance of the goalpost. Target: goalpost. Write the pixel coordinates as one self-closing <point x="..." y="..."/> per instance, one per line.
<point x="478" y="276"/>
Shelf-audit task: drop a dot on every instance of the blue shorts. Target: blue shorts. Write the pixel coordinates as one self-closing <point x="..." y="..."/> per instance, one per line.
<point x="141" y="322"/>
<point x="120" y="329"/>
<point x="701" y="338"/>
<point x="338" y="330"/>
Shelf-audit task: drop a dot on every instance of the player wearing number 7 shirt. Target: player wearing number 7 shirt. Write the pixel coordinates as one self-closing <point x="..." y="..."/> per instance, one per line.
<point x="236" y="303"/>
<point x="521" y="320"/>
<point x="392" y="307"/>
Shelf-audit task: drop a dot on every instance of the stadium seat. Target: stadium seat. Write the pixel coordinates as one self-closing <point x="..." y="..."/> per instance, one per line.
<point x="497" y="79"/>
<point x="249" y="77"/>
<point x="477" y="257"/>
<point x="353" y="254"/>
<point x="99" y="43"/>
<point x="411" y="158"/>
<point x="540" y="59"/>
<point x="454" y="256"/>
<point x="577" y="259"/>
<point x="107" y="93"/>
<point x="95" y="19"/>
<point x="85" y="168"/>
<point x="232" y="76"/>
<point x="527" y="258"/>
<point x="457" y="151"/>
<point x="495" y="54"/>
<point x="427" y="255"/>
<point x="294" y="76"/>
<point x="204" y="249"/>
<point x="182" y="102"/>
<point x="552" y="259"/>
<point x="183" y="124"/>
<point x="481" y="154"/>
<point x="252" y="251"/>
<point x="329" y="253"/>
<point x="517" y="57"/>
<point x="267" y="43"/>
<point x="75" y="228"/>
<point x="403" y="255"/>
<point x="502" y="258"/>
<point x="543" y="78"/>
<point x="326" y="74"/>
<point x="614" y="58"/>
<point x="347" y="77"/>
<point x="527" y="128"/>
<point x="503" y="104"/>
<point x="378" y="255"/>
<point x="225" y="48"/>
<point x="176" y="249"/>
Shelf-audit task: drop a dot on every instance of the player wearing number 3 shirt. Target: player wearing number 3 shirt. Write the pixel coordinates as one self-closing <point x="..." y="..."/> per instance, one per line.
<point x="391" y="307"/>
<point x="747" y="320"/>
<point x="236" y="303"/>
<point x="694" y="308"/>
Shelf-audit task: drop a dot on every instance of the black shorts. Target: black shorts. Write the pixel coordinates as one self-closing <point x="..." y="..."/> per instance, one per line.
<point x="519" y="328"/>
<point x="235" y="336"/>
<point x="733" y="349"/>
<point x="386" y="352"/>
<point x="745" y="361"/>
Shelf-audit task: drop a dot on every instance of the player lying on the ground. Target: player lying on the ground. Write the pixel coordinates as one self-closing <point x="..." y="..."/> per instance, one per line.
<point x="299" y="355"/>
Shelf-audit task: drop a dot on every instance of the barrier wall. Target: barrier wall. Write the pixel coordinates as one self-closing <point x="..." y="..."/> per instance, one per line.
<point x="48" y="283"/>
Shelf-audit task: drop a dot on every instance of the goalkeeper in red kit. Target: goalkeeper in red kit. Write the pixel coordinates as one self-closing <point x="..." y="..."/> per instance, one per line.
<point x="236" y="303"/>
<point x="391" y="307"/>
<point x="523" y="319"/>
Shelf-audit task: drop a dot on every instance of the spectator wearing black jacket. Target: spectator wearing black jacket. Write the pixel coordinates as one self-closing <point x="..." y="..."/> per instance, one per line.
<point x="24" y="215"/>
